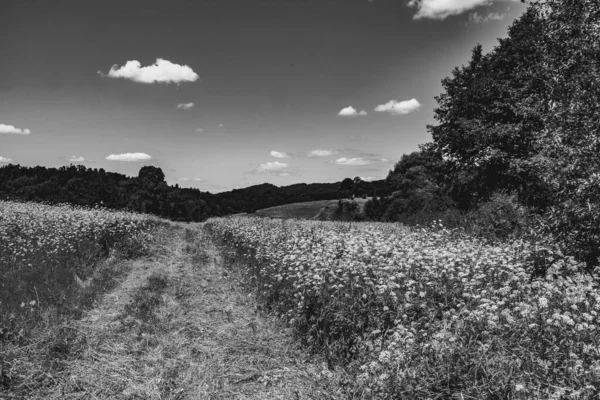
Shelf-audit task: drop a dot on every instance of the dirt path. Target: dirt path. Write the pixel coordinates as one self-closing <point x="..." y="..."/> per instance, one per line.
<point x="179" y="327"/>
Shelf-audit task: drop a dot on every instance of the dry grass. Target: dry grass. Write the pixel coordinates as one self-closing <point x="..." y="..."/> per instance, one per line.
<point x="180" y="327"/>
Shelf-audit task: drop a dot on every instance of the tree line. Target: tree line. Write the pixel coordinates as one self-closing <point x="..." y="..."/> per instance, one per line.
<point x="516" y="143"/>
<point x="149" y="192"/>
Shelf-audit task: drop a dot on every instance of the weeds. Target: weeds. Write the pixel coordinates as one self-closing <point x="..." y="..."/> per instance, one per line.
<point x="426" y="313"/>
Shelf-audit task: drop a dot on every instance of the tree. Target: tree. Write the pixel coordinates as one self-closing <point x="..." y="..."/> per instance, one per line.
<point x="570" y="112"/>
<point x="485" y="129"/>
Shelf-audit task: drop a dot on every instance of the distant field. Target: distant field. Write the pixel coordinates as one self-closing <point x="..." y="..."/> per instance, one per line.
<point x="304" y="210"/>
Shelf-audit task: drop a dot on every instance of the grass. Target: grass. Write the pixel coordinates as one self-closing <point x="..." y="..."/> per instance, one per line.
<point x="425" y="313"/>
<point x="176" y="324"/>
<point x="305" y="210"/>
<point x="55" y="261"/>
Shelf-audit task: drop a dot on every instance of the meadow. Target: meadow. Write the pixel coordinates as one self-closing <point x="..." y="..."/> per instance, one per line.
<point x="52" y="269"/>
<point x="425" y="312"/>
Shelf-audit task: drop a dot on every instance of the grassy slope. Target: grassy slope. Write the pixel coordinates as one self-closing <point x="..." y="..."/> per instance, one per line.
<point x="180" y="327"/>
<point x="305" y="210"/>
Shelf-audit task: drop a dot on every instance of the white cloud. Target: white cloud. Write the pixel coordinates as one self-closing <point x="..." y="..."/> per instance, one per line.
<point x="75" y="159"/>
<point x="351" y="112"/>
<point x="220" y="126"/>
<point x="367" y="178"/>
<point x="476" y="18"/>
<point x="185" y="106"/>
<point x="272" y="166"/>
<point x="6" y="160"/>
<point x="322" y="153"/>
<point x="162" y="71"/>
<point x="200" y="130"/>
<point x="9" y="129"/>
<point x="399" y="107"/>
<point x="279" y="154"/>
<point x="184" y="179"/>
<point x="284" y="174"/>
<point x="129" y="157"/>
<point x="352" y="161"/>
<point x="441" y="9"/>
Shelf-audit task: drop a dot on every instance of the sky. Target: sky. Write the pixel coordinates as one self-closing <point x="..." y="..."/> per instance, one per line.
<point x="224" y="94"/>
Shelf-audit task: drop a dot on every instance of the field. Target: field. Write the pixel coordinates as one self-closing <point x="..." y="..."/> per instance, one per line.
<point x="51" y="269"/>
<point x="305" y="210"/>
<point x="425" y="313"/>
<point x="101" y="304"/>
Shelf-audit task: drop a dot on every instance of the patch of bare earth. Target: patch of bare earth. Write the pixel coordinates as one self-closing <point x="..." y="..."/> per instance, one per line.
<point x="180" y="327"/>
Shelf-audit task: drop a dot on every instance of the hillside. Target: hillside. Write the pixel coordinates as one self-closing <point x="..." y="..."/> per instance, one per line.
<point x="149" y="192"/>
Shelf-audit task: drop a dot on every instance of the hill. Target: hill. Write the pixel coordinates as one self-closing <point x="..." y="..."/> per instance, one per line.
<point x="149" y="192"/>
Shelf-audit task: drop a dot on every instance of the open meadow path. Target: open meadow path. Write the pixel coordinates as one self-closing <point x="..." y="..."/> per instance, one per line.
<point x="180" y="327"/>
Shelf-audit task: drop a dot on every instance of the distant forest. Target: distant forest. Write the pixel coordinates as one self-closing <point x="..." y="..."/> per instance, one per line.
<point x="149" y="193"/>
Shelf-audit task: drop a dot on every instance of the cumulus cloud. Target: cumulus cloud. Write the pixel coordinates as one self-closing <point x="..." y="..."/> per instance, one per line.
<point x="129" y="157"/>
<point x="6" y="160"/>
<point x="185" y="106"/>
<point x="75" y="159"/>
<point x="279" y="154"/>
<point x="476" y="18"/>
<point x="367" y="178"/>
<point x="441" y="9"/>
<point x="351" y="112"/>
<point x="9" y="129"/>
<point x="352" y="161"/>
<point x="162" y="71"/>
<point x="322" y="153"/>
<point x="272" y="166"/>
<point x="399" y="107"/>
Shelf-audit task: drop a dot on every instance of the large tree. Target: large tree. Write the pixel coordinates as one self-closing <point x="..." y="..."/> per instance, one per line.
<point x="485" y="130"/>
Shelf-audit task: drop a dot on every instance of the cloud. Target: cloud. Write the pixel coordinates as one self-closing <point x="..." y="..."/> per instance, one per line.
<point x="75" y="159"/>
<point x="279" y="154"/>
<point x="9" y="129"/>
<point x="367" y="178"/>
<point x="399" y="107"/>
<point x="441" y="9"/>
<point x="6" y="160"/>
<point x="272" y="166"/>
<point x="185" y="106"/>
<point x="476" y="18"/>
<point x="162" y="71"/>
<point x="351" y="112"/>
<point x="220" y="126"/>
<point x="352" y="161"/>
<point x="185" y="179"/>
<point x="129" y="157"/>
<point x="284" y="174"/>
<point x="199" y="130"/>
<point x="322" y="153"/>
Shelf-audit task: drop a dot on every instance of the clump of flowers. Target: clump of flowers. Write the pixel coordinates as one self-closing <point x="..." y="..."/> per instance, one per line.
<point x="419" y="312"/>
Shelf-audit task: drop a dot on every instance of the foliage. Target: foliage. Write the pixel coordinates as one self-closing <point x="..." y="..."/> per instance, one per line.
<point x="420" y="313"/>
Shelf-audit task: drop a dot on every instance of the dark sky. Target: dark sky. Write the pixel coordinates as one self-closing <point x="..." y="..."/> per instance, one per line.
<point x="273" y="76"/>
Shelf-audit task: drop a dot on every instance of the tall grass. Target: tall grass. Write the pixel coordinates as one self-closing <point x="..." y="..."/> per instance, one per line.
<point x="425" y="313"/>
<point x="53" y="263"/>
